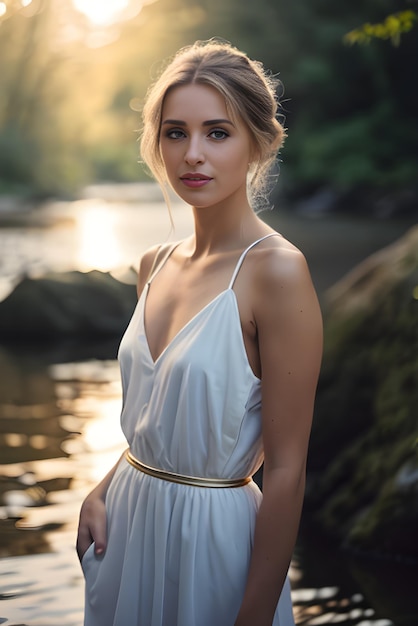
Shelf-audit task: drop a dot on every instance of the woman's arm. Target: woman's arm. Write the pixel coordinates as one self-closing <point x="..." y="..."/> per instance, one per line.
<point x="92" y="525"/>
<point x="289" y="328"/>
<point x="92" y="522"/>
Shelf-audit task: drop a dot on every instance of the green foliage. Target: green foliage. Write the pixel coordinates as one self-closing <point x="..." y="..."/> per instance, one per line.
<point x="116" y="163"/>
<point x="391" y="28"/>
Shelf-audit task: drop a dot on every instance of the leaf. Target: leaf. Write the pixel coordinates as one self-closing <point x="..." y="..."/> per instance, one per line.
<point x="391" y="28"/>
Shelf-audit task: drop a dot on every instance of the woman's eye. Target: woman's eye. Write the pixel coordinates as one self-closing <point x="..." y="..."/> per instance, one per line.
<point x="218" y="133"/>
<point x="175" y="133"/>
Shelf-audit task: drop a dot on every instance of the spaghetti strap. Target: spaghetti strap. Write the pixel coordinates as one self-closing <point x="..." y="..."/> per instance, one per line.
<point x="159" y="264"/>
<point x="244" y="254"/>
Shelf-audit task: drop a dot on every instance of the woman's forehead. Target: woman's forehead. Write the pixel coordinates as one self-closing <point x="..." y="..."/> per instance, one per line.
<point x="196" y="100"/>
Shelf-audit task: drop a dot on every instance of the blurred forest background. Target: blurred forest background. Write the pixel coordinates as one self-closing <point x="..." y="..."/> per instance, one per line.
<point x="70" y="91"/>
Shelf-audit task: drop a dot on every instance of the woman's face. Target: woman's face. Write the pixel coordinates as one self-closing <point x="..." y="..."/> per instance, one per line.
<point x="205" y="153"/>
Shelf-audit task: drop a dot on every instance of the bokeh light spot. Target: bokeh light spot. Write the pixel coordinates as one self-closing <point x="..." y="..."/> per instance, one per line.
<point x="101" y="13"/>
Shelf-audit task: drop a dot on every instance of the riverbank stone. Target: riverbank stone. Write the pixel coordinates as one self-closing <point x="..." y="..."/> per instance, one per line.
<point x="68" y="303"/>
<point x="363" y="463"/>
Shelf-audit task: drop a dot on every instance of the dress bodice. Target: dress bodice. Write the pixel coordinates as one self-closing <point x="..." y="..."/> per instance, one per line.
<point x="195" y="410"/>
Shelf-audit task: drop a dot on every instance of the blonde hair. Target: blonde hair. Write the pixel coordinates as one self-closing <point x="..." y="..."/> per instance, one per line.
<point x="250" y="95"/>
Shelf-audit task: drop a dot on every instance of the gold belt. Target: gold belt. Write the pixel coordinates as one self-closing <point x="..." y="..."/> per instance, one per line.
<point x="185" y="480"/>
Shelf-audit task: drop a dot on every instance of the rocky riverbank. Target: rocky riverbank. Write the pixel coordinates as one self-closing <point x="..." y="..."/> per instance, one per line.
<point x="363" y="467"/>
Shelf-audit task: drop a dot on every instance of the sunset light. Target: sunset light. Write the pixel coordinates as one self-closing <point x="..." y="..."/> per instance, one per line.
<point x="101" y="12"/>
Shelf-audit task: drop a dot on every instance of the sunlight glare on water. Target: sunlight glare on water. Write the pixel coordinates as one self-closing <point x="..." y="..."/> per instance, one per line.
<point x="98" y="244"/>
<point x="90" y="394"/>
<point x="103" y="432"/>
<point x="104" y="439"/>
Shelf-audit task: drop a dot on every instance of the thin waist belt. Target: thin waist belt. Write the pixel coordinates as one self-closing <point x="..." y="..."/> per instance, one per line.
<point x="185" y="480"/>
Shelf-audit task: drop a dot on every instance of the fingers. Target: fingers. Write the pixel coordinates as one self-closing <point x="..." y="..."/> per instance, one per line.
<point x="82" y="546"/>
<point x="92" y="527"/>
<point x="99" y="533"/>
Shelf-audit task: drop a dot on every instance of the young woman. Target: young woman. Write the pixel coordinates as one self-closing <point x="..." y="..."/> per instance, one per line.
<point x="219" y="369"/>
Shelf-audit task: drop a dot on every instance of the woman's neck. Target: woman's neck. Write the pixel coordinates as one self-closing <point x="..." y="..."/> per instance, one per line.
<point x="218" y="229"/>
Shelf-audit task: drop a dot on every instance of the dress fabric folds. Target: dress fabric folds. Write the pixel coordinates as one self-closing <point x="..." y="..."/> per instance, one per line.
<point x="178" y="555"/>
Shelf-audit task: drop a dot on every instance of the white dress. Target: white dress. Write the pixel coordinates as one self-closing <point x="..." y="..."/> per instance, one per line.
<point x="178" y="555"/>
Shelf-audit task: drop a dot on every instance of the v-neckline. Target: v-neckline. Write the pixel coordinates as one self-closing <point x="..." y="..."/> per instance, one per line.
<point x="211" y="302"/>
<point x="216" y="298"/>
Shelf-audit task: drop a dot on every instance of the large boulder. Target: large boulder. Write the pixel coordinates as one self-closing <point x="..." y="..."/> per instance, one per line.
<point x="363" y="465"/>
<point x="69" y="303"/>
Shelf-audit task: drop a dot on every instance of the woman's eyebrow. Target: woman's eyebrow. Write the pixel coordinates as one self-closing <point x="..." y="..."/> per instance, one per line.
<point x="214" y="122"/>
<point x="206" y="123"/>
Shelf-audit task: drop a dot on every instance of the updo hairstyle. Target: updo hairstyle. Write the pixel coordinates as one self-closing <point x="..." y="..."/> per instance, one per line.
<point x="250" y="95"/>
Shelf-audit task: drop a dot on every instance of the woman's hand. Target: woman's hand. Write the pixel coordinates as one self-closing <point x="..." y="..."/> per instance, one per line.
<point x="92" y="525"/>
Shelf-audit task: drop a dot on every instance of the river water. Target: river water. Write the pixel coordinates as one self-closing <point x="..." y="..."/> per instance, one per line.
<point x="60" y="404"/>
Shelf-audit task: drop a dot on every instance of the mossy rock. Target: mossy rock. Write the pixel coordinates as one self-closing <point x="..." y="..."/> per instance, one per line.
<point x="366" y="426"/>
<point x="390" y="525"/>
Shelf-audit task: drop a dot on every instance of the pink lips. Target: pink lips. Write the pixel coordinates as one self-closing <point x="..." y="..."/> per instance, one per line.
<point x="195" y="179"/>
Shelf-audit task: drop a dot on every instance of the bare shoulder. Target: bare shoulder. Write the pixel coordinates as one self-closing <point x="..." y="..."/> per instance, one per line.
<point x="145" y="265"/>
<point x="286" y="313"/>
<point x="281" y="278"/>
<point x="149" y="261"/>
<point x="279" y="264"/>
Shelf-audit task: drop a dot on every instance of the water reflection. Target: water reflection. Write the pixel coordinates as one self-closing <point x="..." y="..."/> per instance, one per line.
<point x="58" y="434"/>
<point x="109" y="228"/>
<point x="336" y="587"/>
<point x="29" y="411"/>
<point x="99" y="246"/>
<point x="90" y="396"/>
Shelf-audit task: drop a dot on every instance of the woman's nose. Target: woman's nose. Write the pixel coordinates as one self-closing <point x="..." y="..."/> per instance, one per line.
<point x="194" y="152"/>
